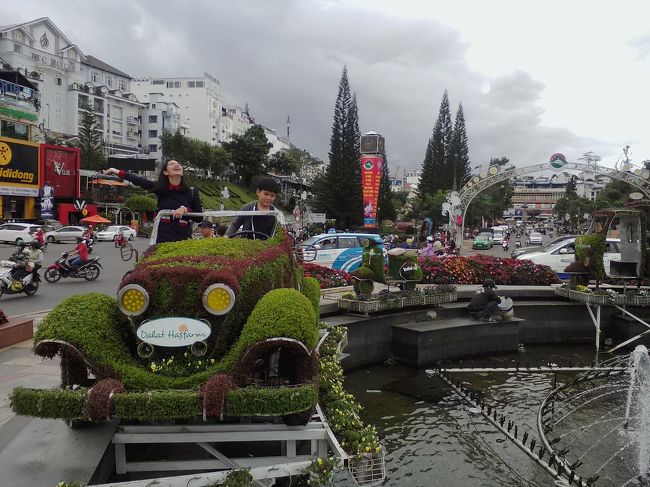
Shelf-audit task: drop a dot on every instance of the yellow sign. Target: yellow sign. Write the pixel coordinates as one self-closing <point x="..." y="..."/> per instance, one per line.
<point x="84" y="212"/>
<point x="5" y="154"/>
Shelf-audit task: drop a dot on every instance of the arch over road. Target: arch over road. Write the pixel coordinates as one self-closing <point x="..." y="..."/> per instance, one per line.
<point x="458" y="201"/>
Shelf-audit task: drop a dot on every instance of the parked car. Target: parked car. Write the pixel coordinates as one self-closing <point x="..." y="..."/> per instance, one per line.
<point x="17" y="232"/>
<point x="111" y="232"/>
<point x="527" y="250"/>
<point x="560" y="255"/>
<point x="341" y="251"/>
<point x="48" y="224"/>
<point x="64" y="234"/>
<point x="535" y="238"/>
<point x="481" y="242"/>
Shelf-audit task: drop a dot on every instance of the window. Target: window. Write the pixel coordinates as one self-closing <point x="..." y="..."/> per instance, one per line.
<point x="199" y="84"/>
<point x="153" y="133"/>
<point x="94" y="76"/>
<point x="153" y="118"/>
<point x="170" y="84"/>
<point x="109" y="81"/>
<point x="328" y="243"/>
<point x="18" y="36"/>
<point x="158" y="82"/>
<point x="190" y="84"/>
<point x="59" y="81"/>
<point x="17" y="48"/>
<point x="72" y="54"/>
<point x="177" y="84"/>
<point x="153" y="147"/>
<point x="35" y="57"/>
<point x="122" y="85"/>
<point x="14" y="130"/>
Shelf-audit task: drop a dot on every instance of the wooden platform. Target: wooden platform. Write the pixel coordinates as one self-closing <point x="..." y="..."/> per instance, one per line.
<point x="16" y="331"/>
<point x="425" y="343"/>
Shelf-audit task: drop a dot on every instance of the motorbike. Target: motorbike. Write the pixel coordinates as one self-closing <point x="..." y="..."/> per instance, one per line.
<point x="62" y="268"/>
<point x="517" y="243"/>
<point x="120" y="240"/>
<point x="27" y="285"/>
<point x="504" y="244"/>
<point x="90" y="243"/>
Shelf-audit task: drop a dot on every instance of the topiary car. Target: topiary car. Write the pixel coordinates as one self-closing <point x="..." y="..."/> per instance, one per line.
<point x="199" y="328"/>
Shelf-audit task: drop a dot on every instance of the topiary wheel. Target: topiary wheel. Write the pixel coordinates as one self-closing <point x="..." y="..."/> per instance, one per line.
<point x="298" y="419"/>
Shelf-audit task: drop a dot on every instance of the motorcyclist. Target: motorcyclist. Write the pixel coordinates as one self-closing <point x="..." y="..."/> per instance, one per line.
<point x="35" y="253"/>
<point x="428" y="250"/>
<point x="504" y="244"/>
<point x="20" y="258"/>
<point x="89" y="233"/>
<point x="81" y="250"/>
<point x="39" y="235"/>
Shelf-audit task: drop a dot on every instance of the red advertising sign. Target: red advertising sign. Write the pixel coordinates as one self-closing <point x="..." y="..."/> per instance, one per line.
<point x="371" y="167"/>
<point x="60" y="170"/>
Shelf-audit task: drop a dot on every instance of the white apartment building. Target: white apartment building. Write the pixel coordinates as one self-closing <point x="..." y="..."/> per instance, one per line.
<point x="199" y="101"/>
<point x="277" y="142"/>
<point x="68" y="80"/>
<point x="233" y="121"/>
<point x="158" y="116"/>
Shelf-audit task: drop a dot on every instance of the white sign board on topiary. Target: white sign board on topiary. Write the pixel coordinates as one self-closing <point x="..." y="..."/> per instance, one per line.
<point x="173" y="332"/>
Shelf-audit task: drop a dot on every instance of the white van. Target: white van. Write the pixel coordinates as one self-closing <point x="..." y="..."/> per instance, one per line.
<point x="499" y="233"/>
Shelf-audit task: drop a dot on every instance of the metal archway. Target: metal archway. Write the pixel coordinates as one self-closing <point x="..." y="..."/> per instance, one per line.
<point x="458" y="202"/>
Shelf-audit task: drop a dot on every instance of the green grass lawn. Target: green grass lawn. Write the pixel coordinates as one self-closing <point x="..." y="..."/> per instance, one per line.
<point x="211" y="195"/>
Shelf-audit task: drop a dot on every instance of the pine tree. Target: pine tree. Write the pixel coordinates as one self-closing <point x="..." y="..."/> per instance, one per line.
<point x="385" y="206"/>
<point x="459" y="151"/>
<point x="90" y="143"/>
<point x="341" y="198"/>
<point x="437" y="170"/>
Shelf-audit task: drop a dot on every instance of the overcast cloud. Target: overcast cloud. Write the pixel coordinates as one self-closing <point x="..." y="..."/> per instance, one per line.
<point x="570" y="78"/>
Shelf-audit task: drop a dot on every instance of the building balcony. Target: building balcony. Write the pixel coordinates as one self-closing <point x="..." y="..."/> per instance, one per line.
<point x="132" y="120"/>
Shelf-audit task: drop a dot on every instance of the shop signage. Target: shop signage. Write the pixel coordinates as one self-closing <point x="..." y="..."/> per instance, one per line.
<point x="173" y="332"/>
<point x="61" y="170"/>
<point x="371" y="167"/>
<point x="19" y="167"/>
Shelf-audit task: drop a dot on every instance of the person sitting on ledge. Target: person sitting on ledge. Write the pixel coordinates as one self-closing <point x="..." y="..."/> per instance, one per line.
<point x="485" y="302"/>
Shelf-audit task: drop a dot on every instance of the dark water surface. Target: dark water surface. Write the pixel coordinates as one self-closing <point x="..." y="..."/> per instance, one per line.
<point x="433" y="440"/>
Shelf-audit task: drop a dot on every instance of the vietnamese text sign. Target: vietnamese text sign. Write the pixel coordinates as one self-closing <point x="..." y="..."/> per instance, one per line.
<point x="19" y="167"/>
<point x="173" y="332"/>
<point x="371" y="167"/>
<point x="317" y="217"/>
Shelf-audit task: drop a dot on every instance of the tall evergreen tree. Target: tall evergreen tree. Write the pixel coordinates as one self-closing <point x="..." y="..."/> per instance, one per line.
<point x="459" y="152"/>
<point x="437" y="169"/>
<point x="90" y="143"/>
<point x="385" y="206"/>
<point x="341" y="198"/>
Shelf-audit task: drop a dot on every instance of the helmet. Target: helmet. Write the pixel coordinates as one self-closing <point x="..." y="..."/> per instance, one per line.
<point x="489" y="283"/>
<point x="21" y="243"/>
<point x="34" y="244"/>
<point x="429" y="238"/>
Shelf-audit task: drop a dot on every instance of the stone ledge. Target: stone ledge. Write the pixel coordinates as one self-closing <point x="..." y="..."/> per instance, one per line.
<point x="15" y="331"/>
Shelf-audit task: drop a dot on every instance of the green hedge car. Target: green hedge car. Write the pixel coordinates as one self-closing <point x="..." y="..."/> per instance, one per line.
<point x="482" y="242"/>
<point x="200" y="328"/>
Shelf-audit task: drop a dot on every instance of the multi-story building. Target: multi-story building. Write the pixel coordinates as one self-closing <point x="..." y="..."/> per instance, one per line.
<point x="233" y="121"/>
<point x="68" y="80"/>
<point x="158" y="116"/>
<point x="19" y="106"/>
<point x="199" y="102"/>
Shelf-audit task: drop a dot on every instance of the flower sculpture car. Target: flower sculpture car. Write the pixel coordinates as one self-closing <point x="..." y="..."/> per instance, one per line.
<point x="200" y="328"/>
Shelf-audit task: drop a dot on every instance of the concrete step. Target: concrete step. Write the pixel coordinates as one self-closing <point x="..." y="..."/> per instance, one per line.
<point x="427" y="342"/>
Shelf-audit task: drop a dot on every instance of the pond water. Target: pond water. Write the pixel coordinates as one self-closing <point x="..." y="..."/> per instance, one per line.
<point x="432" y="439"/>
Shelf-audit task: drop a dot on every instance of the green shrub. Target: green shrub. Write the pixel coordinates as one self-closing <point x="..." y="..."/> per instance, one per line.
<point x="311" y="289"/>
<point x="157" y="404"/>
<point x="590" y="250"/>
<point x="280" y="313"/>
<point x="237" y="248"/>
<point x="49" y="403"/>
<point x="254" y="401"/>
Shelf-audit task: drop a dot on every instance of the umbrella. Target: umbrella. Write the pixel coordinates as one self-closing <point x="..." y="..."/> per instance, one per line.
<point x="94" y="219"/>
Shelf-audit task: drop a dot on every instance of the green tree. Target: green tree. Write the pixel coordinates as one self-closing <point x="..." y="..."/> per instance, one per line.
<point x="339" y="192"/>
<point x="614" y="195"/>
<point x="385" y="207"/>
<point x="437" y="170"/>
<point x="90" y="143"/>
<point x="575" y="208"/>
<point x="571" y="191"/>
<point x="459" y="153"/>
<point x="248" y="154"/>
<point x="282" y="163"/>
<point x="194" y="153"/>
<point x="490" y="204"/>
<point x="140" y="203"/>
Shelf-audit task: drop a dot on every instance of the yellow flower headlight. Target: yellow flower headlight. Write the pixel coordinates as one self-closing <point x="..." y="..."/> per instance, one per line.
<point x="218" y="299"/>
<point x="133" y="300"/>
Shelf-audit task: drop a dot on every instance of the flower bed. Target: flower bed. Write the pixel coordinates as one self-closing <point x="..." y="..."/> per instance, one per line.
<point x="475" y="269"/>
<point x="584" y="294"/>
<point x="327" y="277"/>
<point x="385" y="300"/>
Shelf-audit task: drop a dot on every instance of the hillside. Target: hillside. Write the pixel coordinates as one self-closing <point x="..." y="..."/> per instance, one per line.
<point x="211" y="195"/>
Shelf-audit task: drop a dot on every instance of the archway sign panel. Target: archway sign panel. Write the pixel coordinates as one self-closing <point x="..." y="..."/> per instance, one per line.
<point x="458" y="201"/>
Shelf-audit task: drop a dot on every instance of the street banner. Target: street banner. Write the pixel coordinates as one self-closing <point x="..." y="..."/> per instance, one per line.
<point x="19" y="169"/>
<point x="371" y="168"/>
<point x="60" y="170"/>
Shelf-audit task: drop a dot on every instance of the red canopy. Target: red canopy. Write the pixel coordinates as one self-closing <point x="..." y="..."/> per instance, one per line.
<point x="94" y="219"/>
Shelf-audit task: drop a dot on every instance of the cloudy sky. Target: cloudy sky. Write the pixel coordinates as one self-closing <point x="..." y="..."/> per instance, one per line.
<point x="534" y="78"/>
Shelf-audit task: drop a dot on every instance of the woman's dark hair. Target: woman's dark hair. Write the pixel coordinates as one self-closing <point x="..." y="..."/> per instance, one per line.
<point x="221" y="230"/>
<point x="162" y="183"/>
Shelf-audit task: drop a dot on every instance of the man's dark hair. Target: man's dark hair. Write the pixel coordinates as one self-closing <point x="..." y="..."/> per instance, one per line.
<point x="268" y="184"/>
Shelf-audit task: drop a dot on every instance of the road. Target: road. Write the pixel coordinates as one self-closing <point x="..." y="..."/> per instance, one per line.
<point x="49" y="295"/>
<point x="497" y="250"/>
